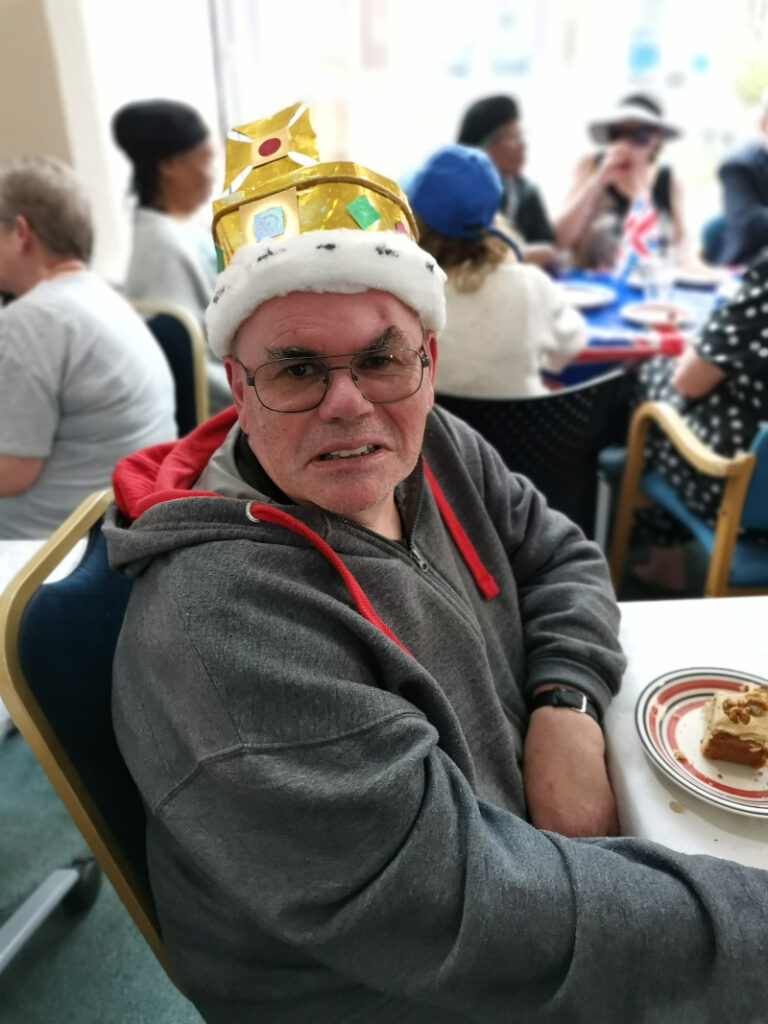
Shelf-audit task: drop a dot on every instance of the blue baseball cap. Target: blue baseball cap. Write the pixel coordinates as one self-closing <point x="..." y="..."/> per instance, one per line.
<point x="457" y="192"/>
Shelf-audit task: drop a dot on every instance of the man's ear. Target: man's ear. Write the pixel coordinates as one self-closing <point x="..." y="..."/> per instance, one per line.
<point x="23" y="232"/>
<point x="237" y="385"/>
<point x="430" y="347"/>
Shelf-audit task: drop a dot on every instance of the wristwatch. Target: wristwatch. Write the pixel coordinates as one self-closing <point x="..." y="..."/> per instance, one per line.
<point x="561" y="698"/>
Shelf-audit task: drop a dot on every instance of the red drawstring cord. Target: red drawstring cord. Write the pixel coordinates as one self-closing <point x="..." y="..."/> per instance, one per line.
<point x="485" y="582"/>
<point x="270" y="514"/>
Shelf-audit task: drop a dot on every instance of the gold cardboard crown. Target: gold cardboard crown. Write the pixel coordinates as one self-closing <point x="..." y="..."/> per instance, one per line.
<point x="274" y="186"/>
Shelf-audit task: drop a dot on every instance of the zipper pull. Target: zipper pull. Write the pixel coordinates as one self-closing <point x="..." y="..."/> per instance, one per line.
<point x="418" y="558"/>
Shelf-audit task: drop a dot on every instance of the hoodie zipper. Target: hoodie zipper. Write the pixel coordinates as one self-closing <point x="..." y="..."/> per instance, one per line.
<point x="436" y="581"/>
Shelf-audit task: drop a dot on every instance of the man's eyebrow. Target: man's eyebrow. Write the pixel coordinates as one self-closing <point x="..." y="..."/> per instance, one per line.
<point x="289" y="352"/>
<point x="389" y="336"/>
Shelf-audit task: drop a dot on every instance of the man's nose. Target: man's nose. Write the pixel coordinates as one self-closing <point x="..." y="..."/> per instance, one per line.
<point x="342" y="399"/>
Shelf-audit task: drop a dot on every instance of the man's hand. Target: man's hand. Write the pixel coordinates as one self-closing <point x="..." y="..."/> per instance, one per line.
<point x="564" y="774"/>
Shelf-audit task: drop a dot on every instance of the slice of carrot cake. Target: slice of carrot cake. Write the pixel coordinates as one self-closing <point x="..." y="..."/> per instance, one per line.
<point x="736" y="727"/>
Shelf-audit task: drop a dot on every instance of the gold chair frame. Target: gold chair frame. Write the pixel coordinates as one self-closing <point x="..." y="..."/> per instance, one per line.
<point x="36" y="730"/>
<point x="147" y="309"/>
<point x="736" y="472"/>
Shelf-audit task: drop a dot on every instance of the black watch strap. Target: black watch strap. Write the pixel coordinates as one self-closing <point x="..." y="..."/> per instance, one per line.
<point x="561" y="698"/>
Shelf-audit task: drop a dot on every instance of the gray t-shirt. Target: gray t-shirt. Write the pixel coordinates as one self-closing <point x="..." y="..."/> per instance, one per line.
<point x="168" y="263"/>
<point x="82" y="383"/>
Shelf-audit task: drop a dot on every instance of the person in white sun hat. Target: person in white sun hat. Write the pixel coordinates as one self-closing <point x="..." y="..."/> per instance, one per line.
<point x="621" y="178"/>
<point x="363" y="667"/>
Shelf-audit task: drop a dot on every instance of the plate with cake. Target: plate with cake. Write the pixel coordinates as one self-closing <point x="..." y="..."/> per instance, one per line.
<point x="707" y="730"/>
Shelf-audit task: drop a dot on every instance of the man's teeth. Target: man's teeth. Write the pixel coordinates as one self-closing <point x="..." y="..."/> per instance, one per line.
<point x="347" y="453"/>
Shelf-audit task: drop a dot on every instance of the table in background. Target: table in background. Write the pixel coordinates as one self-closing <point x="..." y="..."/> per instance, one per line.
<point x="659" y="637"/>
<point x="700" y="300"/>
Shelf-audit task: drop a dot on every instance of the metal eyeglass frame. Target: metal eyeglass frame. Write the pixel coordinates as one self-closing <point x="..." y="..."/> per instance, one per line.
<point x="250" y="378"/>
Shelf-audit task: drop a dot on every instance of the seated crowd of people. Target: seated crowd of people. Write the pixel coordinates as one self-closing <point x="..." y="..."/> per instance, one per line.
<point x="362" y="675"/>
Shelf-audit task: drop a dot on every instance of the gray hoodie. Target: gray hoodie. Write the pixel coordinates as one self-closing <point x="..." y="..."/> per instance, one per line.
<point x="336" y="821"/>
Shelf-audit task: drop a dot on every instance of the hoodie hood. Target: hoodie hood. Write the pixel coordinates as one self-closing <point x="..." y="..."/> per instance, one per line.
<point x="169" y="471"/>
<point x="167" y="497"/>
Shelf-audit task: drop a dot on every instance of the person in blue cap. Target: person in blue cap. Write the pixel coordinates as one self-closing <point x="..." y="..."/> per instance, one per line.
<point x="506" y="320"/>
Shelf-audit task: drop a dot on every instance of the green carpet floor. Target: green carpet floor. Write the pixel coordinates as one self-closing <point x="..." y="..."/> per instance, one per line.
<point x="92" y="968"/>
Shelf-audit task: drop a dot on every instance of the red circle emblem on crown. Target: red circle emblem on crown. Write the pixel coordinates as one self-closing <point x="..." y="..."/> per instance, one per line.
<point x="270" y="146"/>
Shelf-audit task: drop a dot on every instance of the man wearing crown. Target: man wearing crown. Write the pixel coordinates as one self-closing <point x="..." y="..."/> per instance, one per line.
<point x="361" y="675"/>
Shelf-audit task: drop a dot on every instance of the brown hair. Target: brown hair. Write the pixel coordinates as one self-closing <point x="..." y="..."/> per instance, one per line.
<point x="52" y="201"/>
<point x="474" y="258"/>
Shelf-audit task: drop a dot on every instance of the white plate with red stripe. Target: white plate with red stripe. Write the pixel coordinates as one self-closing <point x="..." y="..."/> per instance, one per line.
<point x="670" y="721"/>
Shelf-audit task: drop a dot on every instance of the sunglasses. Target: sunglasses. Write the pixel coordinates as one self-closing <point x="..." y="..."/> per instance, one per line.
<point x="635" y="136"/>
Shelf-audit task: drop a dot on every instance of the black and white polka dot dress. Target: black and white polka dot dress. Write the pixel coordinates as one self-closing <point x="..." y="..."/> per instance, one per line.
<point x="735" y="339"/>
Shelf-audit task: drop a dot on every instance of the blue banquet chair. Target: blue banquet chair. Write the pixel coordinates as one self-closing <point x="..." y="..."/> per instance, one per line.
<point x="183" y="345"/>
<point x="737" y="565"/>
<point x="57" y="641"/>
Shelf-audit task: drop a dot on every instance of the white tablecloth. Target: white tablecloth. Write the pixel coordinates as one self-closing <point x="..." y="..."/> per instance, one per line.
<point x="658" y="637"/>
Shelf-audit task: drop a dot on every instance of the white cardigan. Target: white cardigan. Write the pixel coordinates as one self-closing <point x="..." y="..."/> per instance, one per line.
<point x="497" y="338"/>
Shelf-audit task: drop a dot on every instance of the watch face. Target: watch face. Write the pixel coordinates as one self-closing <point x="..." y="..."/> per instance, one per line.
<point x="570" y="699"/>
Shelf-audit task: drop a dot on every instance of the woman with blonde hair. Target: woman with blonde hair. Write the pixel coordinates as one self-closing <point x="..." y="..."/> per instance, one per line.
<point x="506" y="320"/>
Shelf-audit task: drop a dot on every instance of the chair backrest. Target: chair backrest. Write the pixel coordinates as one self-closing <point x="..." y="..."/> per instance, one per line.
<point x="554" y="439"/>
<point x="57" y="642"/>
<point x="182" y="342"/>
<point x="713" y="238"/>
<point x="754" y="513"/>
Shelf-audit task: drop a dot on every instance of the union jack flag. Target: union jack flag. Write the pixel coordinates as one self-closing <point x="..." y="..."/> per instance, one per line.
<point x="640" y="237"/>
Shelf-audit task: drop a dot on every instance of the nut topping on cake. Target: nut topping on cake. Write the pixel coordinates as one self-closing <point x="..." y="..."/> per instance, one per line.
<point x="751" y="704"/>
<point x="735" y="727"/>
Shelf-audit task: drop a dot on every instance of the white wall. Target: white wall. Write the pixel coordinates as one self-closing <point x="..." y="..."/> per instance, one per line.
<point x="67" y="65"/>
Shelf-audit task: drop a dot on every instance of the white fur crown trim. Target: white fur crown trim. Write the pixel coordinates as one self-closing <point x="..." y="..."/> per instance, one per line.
<point x="343" y="260"/>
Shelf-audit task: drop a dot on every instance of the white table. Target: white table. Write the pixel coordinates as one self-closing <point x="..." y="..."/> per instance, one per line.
<point x="658" y="637"/>
<point x="15" y="553"/>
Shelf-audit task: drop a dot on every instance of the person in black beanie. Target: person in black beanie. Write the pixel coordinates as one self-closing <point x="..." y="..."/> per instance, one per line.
<point x="158" y="137"/>
<point x="493" y="124"/>
<point x="172" y="261"/>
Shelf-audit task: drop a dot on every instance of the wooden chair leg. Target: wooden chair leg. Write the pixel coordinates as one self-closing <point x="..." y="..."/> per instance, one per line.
<point x="726" y="532"/>
<point x="630" y="496"/>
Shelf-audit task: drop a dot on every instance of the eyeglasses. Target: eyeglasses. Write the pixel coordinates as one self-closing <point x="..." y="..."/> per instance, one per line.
<point x="300" y="383"/>
<point x="635" y="136"/>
